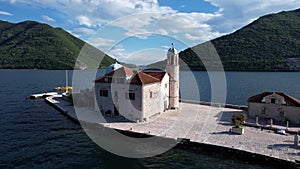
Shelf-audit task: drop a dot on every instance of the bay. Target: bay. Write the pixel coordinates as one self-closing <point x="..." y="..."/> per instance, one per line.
<point x="35" y="135"/>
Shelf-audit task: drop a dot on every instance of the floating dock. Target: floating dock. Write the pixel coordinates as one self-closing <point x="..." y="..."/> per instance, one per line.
<point x="43" y="95"/>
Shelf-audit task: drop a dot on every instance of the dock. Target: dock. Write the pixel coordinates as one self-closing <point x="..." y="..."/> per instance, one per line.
<point x="43" y="95"/>
<point x="198" y="125"/>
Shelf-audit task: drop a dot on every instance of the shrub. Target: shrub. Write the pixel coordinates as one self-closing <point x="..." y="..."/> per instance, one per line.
<point x="238" y="120"/>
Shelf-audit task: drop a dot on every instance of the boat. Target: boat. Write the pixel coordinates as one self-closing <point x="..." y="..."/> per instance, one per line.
<point x="64" y="88"/>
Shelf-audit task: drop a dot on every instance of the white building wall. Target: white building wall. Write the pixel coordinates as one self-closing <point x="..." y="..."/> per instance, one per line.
<point x="104" y="103"/>
<point x="165" y="88"/>
<point x="130" y="109"/>
<point x="152" y="103"/>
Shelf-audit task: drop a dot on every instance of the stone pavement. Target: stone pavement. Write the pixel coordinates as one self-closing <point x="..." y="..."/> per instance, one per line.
<point x="199" y="123"/>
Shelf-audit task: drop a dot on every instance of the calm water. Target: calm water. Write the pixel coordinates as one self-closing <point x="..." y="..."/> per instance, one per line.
<point x="34" y="135"/>
<point x="240" y="85"/>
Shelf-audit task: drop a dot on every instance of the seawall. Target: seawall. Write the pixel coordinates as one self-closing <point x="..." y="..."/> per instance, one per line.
<point x="231" y="106"/>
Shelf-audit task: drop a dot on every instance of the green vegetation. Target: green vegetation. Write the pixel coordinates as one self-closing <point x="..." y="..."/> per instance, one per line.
<point x="33" y="45"/>
<point x="238" y="120"/>
<point x="271" y="43"/>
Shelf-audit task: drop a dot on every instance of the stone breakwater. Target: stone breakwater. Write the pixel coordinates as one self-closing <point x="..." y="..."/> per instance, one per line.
<point x="204" y="128"/>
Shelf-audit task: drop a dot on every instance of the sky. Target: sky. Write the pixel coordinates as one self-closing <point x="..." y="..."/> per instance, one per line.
<point x="141" y="31"/>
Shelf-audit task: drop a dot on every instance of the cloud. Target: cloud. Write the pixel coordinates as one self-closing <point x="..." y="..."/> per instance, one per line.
<point x="140" y="57"/>
<point x="118" y="52"/>
<point x="5" y="13"/>
<point x="145" y="17"/>
<point x="12" y="1"/>
<point x="142" y="19"/>
<point x="84" y="20"/>
<point x="47" y="18"/>
<point x="147" y="56"/>
<point x="236" y="14"/>
<point x="83" y="31"/>
<point x="165" y="47"/>
<point x="104" y="44"/>
<point x="148" y="17"/>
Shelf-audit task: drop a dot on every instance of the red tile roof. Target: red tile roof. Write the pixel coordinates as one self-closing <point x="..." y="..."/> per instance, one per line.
<point x="290" y="101"/>
<point x="158" y="75"/>
<point x="123" y="71"/>
<point x="139" y="78"/>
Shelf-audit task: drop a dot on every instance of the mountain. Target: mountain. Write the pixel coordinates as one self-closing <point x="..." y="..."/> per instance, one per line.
<point x="33" y="45"/>
<point x="270" y="43"/>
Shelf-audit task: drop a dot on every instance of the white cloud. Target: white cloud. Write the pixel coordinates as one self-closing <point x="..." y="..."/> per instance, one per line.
<point x="5" y="13"/>
<point x="118" y="52"/>
<point x="165" y="47"/>
<point x="144" y="18"/>
<point x="83" y="31"/>
<point x="148" y="56"/>
<point x="148" y="17"/>
<point x="84" y="20"/>
<point x="140" y="57"/>
<point x="12" y="1"/>
<point x="236" y="14"/>
<point x="47" y="18"/>
<point x="144" y="25"/>
<point x="103" y="44"/>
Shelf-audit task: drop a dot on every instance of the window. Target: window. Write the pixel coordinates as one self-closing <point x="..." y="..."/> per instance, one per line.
<point x="151" y="94"/>
<point x="104" y="93"/>
<point x="281" y="113"/>
<point x="130" y="96"/>
<point x="116" y="97"/>
<point x="273" y="101"/>
<point x="109" y="79"/>
<point x="166" y="85"/>
<point x="263" y="111"/>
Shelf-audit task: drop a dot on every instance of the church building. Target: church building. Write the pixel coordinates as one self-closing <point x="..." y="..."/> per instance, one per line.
<point x="139" y="95"/>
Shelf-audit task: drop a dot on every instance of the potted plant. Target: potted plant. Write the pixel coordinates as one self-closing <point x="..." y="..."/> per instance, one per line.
<point x="238" y="120"/>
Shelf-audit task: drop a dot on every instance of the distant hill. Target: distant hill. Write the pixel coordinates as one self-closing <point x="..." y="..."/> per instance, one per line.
<point x="271" y="43"/>
<point x="33" y="45"/>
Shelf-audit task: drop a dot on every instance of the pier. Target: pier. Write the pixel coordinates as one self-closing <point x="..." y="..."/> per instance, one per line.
<point x="198" y="125"/>
<point x="43" y="95"/>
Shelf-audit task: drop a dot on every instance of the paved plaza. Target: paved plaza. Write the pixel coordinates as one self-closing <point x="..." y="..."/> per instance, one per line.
<point x="199" y="123"/>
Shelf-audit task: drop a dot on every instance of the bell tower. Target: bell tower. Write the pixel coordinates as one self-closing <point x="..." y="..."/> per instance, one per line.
<point x="172" y="69"/>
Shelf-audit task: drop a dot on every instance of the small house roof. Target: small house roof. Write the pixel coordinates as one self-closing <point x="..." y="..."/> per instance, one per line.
<point x="290" y="101"/>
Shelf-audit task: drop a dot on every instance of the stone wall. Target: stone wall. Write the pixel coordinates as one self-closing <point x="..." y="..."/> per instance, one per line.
<point x="152" y="100"/>
<point x="277" y="112"/>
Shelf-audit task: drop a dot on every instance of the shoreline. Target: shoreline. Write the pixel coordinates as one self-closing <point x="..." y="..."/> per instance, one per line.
<point x="196" y="70"/>
<point x="239" y="153"/>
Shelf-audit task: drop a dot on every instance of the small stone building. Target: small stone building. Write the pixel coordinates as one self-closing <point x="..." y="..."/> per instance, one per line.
<point x="275" y="105"/>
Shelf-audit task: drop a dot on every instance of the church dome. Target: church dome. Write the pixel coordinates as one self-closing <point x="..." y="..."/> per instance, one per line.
<point x="113" y="67"/>
<point x="172" y="50"/>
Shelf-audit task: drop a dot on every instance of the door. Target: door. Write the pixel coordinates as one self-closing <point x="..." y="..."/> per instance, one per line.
<point x="165" y="105"/>
<point x="116" y="111"/>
